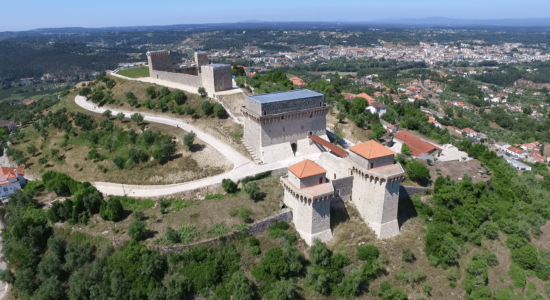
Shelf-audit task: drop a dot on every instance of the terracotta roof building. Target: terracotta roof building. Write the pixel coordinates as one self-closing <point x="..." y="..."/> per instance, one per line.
<point x="11" y="180"/>
<point x="306" y="168"/>
<point x="417" y="146"/>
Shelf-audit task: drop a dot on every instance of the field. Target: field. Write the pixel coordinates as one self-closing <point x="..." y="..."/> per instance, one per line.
<point x="135" y="73"/>
<point x="186" y="165"/>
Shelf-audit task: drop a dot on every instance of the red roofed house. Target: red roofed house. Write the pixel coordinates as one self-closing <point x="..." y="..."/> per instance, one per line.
<point x="28" y="102"/>
<point x="417" y="145"/>
<point x="470" y="132"/>
<point x="298" y="81"/>
<point x="11" y="180"/>
<point x="366" y="96"/>
<point x="348" y="96"/>
<point x="513" y="151"/>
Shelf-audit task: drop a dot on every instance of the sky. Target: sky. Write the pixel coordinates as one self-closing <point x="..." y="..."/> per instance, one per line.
<point x="26" y="14"/>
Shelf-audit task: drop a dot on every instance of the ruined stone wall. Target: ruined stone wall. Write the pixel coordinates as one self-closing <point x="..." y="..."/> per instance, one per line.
<point x="406" y="192"/>
<point x="284" y="216"/>
<point x="190" y="80"/>
<point x="293" y="128"/>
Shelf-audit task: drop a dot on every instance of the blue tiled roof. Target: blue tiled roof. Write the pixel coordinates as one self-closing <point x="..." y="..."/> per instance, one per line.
<point x="284" y="96"/>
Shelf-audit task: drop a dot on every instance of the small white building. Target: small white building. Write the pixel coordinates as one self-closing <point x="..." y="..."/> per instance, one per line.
<point x="515" y="152"/>
<point x="518" y="165"/>
<point x="11" y="180"/>
<point x="501" y="146"/>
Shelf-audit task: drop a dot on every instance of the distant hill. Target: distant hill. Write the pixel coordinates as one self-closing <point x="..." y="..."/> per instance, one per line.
<point x="500" y="24"/>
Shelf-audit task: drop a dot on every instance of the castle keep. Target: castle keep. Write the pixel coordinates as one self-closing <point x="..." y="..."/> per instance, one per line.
<point x="278" y="125"/>
<point x="368" y="176"/>
<point x="213" y="77"/>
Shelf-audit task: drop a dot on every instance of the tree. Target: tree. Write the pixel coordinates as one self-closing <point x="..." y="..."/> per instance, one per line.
<point x="527" y="109"/>
<point x="107" y="114"/>
<point x="229" y="186"/>
<point x="188" y="140"/>
<point x="282" y="290"/>
<point x="31" y="150"/>
<point x="417" y="171"/>
<point x="341" y="116"/>
<point x="202" y="92"/>
<point x="252" y="190"/>
<point x="164" y="91"/>
<point x="319" y="253"/>
<point x="151" y="92"/>
<point x="219" y="111"/>
<point x="137" y="117"/>
<point x="406" y="150"/>
<point x="85" y="92"/>
<point x="137" y="230"/>
<point x="120" y="116"/>
<point x="207" y="107"/>
<point x="240" y="287"/>
<point x="111" y="210"/>
<point x="179" y="97"/>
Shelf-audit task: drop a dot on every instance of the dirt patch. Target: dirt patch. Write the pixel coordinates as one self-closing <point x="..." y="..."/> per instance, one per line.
<point x="350" y="131"/>
<point x="233" y="101"/>
<point x="457" y="169"/>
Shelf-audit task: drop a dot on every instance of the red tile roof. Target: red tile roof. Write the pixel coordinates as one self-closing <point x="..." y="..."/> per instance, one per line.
<point x="371" y="149"/>
<point x="306" y="168"/>
<point x="329" y="146"/>
<point x="516" y="150"/>
<point x="417" y="145"/>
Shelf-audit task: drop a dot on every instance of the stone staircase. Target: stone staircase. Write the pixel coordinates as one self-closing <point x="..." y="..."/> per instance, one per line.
<point x="252" y="153"/>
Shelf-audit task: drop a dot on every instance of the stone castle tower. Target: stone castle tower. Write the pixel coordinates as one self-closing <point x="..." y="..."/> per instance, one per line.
<point x="309" y="193"/>
<point x="376" y="181"/>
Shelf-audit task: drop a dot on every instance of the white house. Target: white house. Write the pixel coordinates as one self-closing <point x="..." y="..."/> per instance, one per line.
<point x="518" y="165"/>
<point x="502" y="146"/>
<point x="11" y="180"/>
<point x="513" y="151"/>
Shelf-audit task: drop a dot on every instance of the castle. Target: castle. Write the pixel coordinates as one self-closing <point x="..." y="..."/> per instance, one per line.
<point x="278" y="125"/>
<point x="213" y="77"/>
<point x="287" y="124"/>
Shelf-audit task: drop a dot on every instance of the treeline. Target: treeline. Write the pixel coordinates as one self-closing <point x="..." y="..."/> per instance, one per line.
<point x="26" y="60"/>
<point x="24" y="114"/>
<point x="462" y="212"/>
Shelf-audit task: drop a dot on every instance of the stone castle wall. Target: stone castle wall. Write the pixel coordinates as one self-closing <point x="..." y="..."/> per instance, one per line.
<point x="284" y="216"/>
<point x="365" y="163"/>
<point x="294" y="105"/>
<point x="216" y="78"/>
<point x="293" y="128"/>
<point x="343" y="187"/>
<point x="252" y="134"/>
<point x="159" y="60"/>
<point x="185" y="79"/>
<point x="336" y="167"/>
<point x="311" y="218"/>
<point x="275" y="153"/>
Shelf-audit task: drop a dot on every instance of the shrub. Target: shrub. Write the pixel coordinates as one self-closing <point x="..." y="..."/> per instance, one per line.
<point x="244" y="213"/>
<point x="518" y="275"/>
<point x="490" y="230"/>
<point x="137" y="230"/>
<point x="252" y="190"/>
<point x="179" y="97"/>
<point x="525" y="256"/>
<point x="188" y="140"/>
<point x="138" y="215"/>
<point x="253" y="241"/>
<point x="412" y="277"/>
<point x="408" y="255"/>
<point x="417" y="171"/>
<point x="202" y="92"/>
<point x="219" y="229"/>
<point x="254" y="250"/>
<point x="282" y="290"/>
<point x="351" y="284"/>
<point x="367" y="252"/>
<point x="272" y="267"/>
<point x="33" y="186"/>
<point x="318" y="279"/>
<point x="207" y="107"/>
<point x="219" y="111"/>
<point x="240" y="287"/>
<point x="406" y="150"/>
<point x="229" y="186"/>
<point x="111" y="210"/>
<point x="319" y="253"/>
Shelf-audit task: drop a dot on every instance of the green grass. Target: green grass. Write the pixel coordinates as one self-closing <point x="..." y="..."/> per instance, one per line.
<point x="134" y="204"/>
<point x="135" y="73"/>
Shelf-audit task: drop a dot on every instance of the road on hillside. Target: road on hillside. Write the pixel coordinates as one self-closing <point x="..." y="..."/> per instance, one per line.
<point x="242" y="167"/>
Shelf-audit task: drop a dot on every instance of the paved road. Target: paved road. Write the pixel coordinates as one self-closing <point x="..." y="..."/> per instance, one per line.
<point x="242" y="167"/>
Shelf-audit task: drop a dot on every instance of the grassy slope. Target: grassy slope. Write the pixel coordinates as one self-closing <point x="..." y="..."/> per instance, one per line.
<point x="135" y="73"/>
<point x="186" y="166"/>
